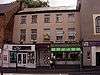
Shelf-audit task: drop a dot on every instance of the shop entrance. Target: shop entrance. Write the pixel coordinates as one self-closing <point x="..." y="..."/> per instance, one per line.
<point x="97" y="58"/>
<point x="22" y="59"/>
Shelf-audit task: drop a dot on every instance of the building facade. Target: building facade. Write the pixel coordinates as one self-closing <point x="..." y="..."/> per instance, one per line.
<point x="90" y="32"/>
<point x="7" y="12"/>
<point x="49" y="28"/>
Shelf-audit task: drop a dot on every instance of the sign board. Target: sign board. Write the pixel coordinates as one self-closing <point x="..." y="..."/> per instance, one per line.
<point x="66" y="49"/>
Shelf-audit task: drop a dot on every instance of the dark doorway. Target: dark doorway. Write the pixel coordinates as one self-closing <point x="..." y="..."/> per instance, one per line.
<point x="97" y="58"/>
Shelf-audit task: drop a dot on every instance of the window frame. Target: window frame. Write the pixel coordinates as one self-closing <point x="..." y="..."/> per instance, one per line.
<point x="47" y="18"/>
<point x="34" y="19"/>
<point x="59" y="18"/>
<point x="23" y="19"/>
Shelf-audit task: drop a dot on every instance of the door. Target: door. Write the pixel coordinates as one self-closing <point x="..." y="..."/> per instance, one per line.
<point x="44" y="55"/>
<point x="98" y="59"/>
<point x="22" y="59"/>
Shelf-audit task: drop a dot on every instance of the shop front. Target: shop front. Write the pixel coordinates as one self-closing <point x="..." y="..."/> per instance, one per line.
<point x="19" y="56"/>
<point x="65" y="54"/>
<point x="91" y="53"/>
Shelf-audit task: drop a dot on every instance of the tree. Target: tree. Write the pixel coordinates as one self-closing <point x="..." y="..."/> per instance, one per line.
<point x="35" y="3"/>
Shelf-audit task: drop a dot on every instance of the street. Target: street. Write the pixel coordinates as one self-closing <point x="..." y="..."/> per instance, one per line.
<point x="32" y="74"/>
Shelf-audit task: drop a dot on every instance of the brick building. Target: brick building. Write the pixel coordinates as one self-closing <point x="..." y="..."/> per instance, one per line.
<point x="53" y="30"/>
<point x="6" y="21"/>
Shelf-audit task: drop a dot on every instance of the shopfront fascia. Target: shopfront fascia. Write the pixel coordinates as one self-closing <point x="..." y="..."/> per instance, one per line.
<point x="66" y="53"/>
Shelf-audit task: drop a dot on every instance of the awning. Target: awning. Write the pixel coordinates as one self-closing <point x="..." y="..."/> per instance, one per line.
<point x="66" y="49"/>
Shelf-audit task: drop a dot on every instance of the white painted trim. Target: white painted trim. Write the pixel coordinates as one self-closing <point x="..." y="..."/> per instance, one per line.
<point x="93" y="49"/>
<point x="94" y="17"/>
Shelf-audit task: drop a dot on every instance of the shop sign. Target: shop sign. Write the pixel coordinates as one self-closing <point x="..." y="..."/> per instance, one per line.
<point x="65" y="49"/>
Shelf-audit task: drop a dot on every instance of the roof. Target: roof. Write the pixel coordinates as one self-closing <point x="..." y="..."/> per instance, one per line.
<point x="4" y="7"/>
<point x="46" y="10"/>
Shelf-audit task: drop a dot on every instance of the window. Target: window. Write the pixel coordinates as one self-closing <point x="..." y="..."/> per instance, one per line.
<point x="71" y="17"/>
<point x="23" y="19"/>
<point x="58" y="18"/>
<point x="97" y="24"/>
<point x="59" y="34"/>
<point x="34" y="18"/>
<point x="13" y="57"/>
<point x="67" y="56"/>
<point x="59" y="37"/>
<point x="47" y="34"/>
<point x="33" y="34"/>
<point x="47" y="18"/>
<point x="22" y="34"/>
<point x="71" y="33"/>
<point x="30" y="57"/>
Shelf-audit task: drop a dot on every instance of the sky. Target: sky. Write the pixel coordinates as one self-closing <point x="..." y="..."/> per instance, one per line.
<point x="54" y="3"/>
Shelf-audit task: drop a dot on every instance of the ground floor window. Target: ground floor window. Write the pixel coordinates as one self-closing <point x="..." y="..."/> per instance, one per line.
<point x="13" y="57"/>
<point x="31" y="57"/>
<point x="67" y="56"/>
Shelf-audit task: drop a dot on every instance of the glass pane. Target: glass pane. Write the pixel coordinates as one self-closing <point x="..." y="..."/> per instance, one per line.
<point x="13" y="57"/>
<point x="31" y="57"/>
<point x="19" y="58"/>
<point x="24" y="58"/>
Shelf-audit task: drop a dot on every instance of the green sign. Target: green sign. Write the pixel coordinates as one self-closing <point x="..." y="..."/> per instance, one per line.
<point x="65" y="49"/>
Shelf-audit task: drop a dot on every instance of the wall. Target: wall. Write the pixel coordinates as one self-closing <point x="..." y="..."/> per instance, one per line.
<point x="40" y="25"/>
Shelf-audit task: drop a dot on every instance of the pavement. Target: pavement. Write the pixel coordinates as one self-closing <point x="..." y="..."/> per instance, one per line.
<point x="58" y="70"/>
<point x="32" y="74"/>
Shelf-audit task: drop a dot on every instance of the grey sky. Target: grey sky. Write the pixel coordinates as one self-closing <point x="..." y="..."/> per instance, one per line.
<point x="71" y="3"/>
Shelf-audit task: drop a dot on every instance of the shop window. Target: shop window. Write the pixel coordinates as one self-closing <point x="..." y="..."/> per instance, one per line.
<point x="5" y="57"/>
<point x="31" y="57"/>
<point x="67" y="56"/>
<point x="13" y="57"/>
<point x="19" y="58"/>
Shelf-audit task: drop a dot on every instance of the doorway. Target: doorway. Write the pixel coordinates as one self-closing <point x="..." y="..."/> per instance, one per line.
<point x="97" y="58"/>
<point x="22" y="59"/>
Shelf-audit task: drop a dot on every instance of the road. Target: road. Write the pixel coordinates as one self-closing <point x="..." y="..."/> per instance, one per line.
<point x="32" y="74"/>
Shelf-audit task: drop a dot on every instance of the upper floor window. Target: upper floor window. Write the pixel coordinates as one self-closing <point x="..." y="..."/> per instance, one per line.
<point x="23" y="19"/>
<point x="47" y="18"/>
<point x="71" y="17"/>
<point x="33" y="34"/>
<point x="59" y="34"/>
<point x="71" y="34"/>
<point x="97" y="24"/>
<point x="34" y="18"/>
<point x="46" y="34"/>
<point x="22" y="34"/>
<point x="58" y="18"/>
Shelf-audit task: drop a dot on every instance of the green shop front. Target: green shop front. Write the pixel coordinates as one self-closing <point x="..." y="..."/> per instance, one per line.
<point x="66" y="53"/>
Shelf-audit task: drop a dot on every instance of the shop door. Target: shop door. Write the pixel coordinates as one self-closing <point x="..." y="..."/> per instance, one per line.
<point x="98" y="59"/>
<point x="22" y="59"/>
<point x="44" y="55"/>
